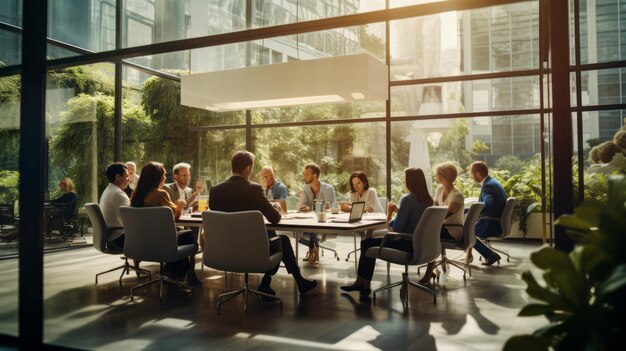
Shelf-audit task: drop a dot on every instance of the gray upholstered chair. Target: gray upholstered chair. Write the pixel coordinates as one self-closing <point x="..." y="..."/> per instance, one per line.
<point x="237" y="242"/>
<point x="506" y="222"/>
<point x="100" y="234"/>
<point x="469" y="239"/>
<point x="426" y="248"/>
<point x="151" y="236"/>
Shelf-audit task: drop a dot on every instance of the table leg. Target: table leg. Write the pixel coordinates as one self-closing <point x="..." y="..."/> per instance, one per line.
<point x="356" y="264"/>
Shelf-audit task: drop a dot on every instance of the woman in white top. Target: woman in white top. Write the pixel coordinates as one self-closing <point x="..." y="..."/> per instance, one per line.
<point x="449" y="195"/>
<point x="360" y="191"/>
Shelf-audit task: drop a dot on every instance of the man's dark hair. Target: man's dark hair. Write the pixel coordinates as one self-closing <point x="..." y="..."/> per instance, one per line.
<point x="314" y="168"/>
<point x="241" y="160"/>
<point x="114" y="169"/>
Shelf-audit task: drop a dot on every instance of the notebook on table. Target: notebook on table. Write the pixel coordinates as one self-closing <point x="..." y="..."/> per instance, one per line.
<point x="356" y="213"/>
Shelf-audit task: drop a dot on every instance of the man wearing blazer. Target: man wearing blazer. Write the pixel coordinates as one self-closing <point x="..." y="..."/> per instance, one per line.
<point x="237" y="193"/>
<point x="493" y="196"/>
<point x="180" y="190"/>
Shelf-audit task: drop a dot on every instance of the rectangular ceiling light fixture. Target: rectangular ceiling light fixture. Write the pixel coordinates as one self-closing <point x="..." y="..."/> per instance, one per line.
<point x="327" y="80"/>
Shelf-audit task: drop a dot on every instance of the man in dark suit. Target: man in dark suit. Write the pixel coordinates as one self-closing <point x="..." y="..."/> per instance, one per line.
<point x="237" y="193"/>
<point x="493" y="196"/>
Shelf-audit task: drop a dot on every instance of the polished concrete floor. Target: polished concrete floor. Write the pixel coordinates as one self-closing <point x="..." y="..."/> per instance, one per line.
<point x="478" y="315"/>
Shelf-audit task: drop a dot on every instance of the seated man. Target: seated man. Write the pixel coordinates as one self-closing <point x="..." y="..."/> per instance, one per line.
<point x="274" y="189"/>
<point x="237" y="193"/>
<point x="493" y="196"/>
<point x="113" y="197"/>
<point x="312" y="190"/>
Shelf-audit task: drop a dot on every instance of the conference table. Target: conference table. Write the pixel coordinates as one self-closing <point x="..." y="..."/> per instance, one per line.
<point x="306" y="222"/>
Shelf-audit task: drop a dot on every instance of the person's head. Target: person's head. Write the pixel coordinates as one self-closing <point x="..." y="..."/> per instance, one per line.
<point x="446" y="173"/>
<point x="311" y="173"/>
<point x="152" y="177"/>
<point x="267" y="176"/>
<point x="117" y="173"/>
<point x="182" y="174"/>
<point x="479" y="171"/>
<point x="415" y="182"/>
<point x="241" y="163"/>
<point x="359" y="182"/>
<point x="67" y="185"/>
<point x="132" y="168"/>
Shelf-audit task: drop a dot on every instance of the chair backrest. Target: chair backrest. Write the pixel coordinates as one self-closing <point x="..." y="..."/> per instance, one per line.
<point x="150" y="233"/>
<point x="426" y="237"/>
<point x="235" y="241"/>
<point x="469" y="225"/>
<point x="100" y="229"/>
<point x="383" y="203"/>
<point x="506" y="219"/>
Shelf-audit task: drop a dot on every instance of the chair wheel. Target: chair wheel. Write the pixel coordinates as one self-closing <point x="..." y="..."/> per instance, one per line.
<point x="338" y="259"/>
<point x="507" y="259"/>
<point x="347" y="259"/>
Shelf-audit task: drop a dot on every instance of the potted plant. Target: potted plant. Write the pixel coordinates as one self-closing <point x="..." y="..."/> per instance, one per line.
<point x="583" y="297"/>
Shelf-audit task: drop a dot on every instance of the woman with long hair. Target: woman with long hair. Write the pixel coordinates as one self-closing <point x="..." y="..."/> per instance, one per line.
<point x="148" y="193"/>
<point x="409" y="212"/>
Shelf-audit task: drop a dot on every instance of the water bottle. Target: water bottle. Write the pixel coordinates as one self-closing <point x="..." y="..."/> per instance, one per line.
<point x="319" y="205"/>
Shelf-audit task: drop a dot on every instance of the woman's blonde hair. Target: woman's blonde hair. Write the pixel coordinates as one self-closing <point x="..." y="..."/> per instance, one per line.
<point x="447" y="170"/>
<point x="69" y="185"/>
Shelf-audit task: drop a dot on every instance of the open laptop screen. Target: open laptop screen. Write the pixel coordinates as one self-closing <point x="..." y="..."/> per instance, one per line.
<point x="356" y="213"/>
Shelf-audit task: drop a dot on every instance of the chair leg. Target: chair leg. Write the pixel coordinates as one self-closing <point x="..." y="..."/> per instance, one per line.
<point x="245" y="291"/>
<point x="352" y="252"/>
<point x="404" y="290"/>
<point x="109" y="271"/>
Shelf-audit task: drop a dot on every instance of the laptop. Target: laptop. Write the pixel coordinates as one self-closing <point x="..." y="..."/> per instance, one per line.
<point x="356" y="213"/>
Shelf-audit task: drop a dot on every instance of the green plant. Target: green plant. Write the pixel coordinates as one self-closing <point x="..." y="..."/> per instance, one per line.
<point x="525" y="186"/>
<point x="583" y="295"/>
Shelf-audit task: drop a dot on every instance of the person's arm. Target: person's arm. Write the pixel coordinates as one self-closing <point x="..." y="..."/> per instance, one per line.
<point x="404" y="215"/>
<point x="266" y="208"/>
<point x="177" y="208"/>
<point x="303" y="201"/>
<point x="347" y="206"/>
<point x="282" y="197"/>
<point x="453" y="208"/>
<point x="370" y="198"/>
<point x="330" y="197"/>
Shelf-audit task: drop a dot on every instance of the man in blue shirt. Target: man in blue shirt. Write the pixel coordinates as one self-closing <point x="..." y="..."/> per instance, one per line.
<point x="273" y="188"/>
<point x="492" y="194"/>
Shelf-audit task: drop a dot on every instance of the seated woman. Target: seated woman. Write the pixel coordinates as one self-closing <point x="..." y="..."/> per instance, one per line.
<point x="360" y="191"/>
<point x="449" y="195"/>
<point x="409" y="213"/>
<point x="68" y="200"/>
<point x="149" y="192"/>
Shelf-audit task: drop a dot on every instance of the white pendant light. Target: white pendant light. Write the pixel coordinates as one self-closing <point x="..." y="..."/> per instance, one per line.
<point x="326" y="80"/>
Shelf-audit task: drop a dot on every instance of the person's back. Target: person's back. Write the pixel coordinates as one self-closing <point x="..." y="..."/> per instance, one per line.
<point x="493" y="196"/>
<point x="238" y="194"/>
<point x="111" y="200"/>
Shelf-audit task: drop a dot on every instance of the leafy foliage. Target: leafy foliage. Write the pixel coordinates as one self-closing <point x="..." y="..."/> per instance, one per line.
<point x="84" y="142"/>
<point x="583" y="296"/>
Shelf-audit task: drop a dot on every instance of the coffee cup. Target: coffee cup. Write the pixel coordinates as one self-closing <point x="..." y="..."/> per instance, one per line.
<point x="321" y="217"/>
<point x="334" y="210"/>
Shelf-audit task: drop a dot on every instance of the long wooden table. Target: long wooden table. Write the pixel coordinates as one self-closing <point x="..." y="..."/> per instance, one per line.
<point x="299" y="223"/>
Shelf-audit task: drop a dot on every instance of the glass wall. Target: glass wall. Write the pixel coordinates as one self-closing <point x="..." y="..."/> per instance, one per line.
<point x="603" y="90"/>
<point x="9" y="204"/>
